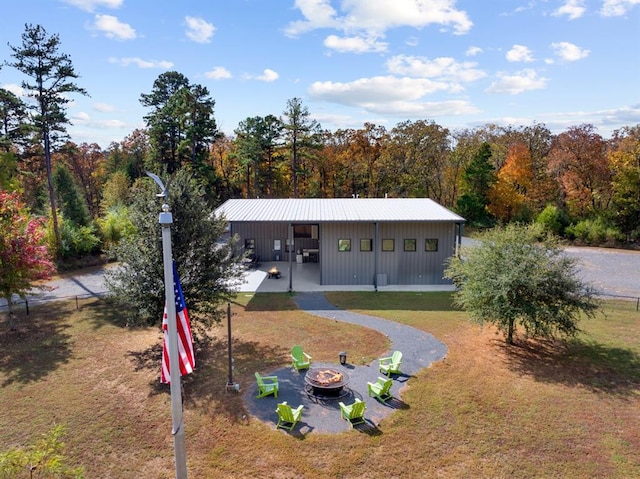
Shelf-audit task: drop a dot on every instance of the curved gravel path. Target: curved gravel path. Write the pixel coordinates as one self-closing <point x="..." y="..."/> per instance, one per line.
<point x="419" y="349"/>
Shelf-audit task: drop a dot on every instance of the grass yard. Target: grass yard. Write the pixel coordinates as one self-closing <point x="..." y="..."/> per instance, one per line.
<point x="540" y="409"/>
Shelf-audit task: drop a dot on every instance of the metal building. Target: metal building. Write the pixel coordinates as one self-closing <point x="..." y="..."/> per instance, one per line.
<point x="354" y="241"/>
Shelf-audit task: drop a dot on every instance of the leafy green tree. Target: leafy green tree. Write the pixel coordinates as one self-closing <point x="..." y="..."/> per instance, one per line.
<point x="625" y="163"/>
<point x="45" y="458"/>
<point x="24" y="257"/>
<point x="477" y="179"/>
<point x="553" y="220"/>
<point x="510" y="278"/>
<point x="115" y="225"/>
<point x="209" y="270"/>
<point x="52" y="76"/>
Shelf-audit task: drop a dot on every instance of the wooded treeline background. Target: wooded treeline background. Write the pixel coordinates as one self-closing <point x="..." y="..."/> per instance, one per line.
<point x="576" y="183"/>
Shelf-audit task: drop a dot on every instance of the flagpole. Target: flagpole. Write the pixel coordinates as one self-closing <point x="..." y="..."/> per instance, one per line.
<point x="165" y="221"/>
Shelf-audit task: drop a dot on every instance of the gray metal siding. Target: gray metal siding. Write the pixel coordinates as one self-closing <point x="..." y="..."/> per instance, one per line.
<point x="420" y="266"/>
<point x="264" y="235"/>
<point x="400" y="267"/>
<point x="348" y="267"/>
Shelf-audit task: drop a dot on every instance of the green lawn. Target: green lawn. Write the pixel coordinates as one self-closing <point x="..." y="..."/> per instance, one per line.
<point x="539" y="409"/>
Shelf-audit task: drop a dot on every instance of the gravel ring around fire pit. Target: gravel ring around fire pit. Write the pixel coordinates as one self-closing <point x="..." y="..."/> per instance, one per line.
<point x="419" y="350"/>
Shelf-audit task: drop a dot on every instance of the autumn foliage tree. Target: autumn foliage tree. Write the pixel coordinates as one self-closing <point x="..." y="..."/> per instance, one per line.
<point x="508" y="196"/>
<point x="579" y="163"/>
<point x="24" y="257"/>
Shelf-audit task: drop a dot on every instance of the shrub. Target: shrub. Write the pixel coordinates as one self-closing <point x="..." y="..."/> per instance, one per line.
<point x="594" y="231"/>
<point x="44" y="459"/>
<point x="115" y="225"/>
<point x="75" y="240"/>
<point x="553" y="220"/>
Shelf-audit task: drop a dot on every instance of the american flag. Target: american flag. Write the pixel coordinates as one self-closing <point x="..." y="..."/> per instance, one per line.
<point x="186" y="357"/>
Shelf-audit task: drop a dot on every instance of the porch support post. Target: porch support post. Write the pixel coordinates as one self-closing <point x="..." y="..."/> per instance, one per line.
<point x="291" y="246"/>
<point x="375" y="257"/>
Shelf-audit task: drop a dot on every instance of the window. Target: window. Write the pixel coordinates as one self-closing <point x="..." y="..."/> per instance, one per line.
<point x="366" y="244"/>
<point x="388" y="245"/>
<point x="249" y="244"/>
<point x="410" y="245"/>
<point x="431" y="244"/>
<point x="344" y="245"/>
<point x="302" y="231"/>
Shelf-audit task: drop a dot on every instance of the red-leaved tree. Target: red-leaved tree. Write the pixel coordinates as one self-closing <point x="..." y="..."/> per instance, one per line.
<point x="24" y="257"/>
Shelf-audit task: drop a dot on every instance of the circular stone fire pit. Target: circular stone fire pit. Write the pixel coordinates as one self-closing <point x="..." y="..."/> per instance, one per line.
<point x="326" y="383"/>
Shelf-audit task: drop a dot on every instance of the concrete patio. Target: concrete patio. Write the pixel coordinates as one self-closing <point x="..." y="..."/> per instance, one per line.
<point x="306" y="278"/>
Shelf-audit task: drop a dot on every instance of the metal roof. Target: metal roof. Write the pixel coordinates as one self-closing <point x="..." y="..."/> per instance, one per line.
<point x="327" y="210"/>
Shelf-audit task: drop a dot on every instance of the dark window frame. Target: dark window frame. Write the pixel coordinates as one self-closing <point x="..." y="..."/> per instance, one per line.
<point x="431" y="245"/>
<point x="410" y="245"/>
<point x="344" y="245"/>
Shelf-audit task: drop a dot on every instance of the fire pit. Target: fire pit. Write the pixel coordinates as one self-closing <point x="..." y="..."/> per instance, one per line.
<point x="326" y="383"/>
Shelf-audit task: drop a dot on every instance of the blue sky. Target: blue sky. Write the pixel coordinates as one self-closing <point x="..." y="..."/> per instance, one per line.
<point x="460" y="63"/>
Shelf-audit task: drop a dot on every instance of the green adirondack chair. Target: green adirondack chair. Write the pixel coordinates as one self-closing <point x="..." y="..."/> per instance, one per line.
<point x="300" y="359"/>
<point x="353" y="413"/>
<point x="287" y="416"/>
<point x="391" y="365"/>
<point x="267" y="385"/>
<point x="381" y="389"/>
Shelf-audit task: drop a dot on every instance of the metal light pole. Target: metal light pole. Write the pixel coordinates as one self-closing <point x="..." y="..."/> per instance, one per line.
<point x="230" y="383"/>
<point x="166" y="220"/>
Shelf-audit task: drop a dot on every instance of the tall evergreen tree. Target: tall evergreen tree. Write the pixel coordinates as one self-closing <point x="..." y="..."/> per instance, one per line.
<point x="209" y="271"/>
<point x="181" y="125"/>
<point x="477" y="179"/>
<point x="52" y="74"/>
<point x="303" y="136"/>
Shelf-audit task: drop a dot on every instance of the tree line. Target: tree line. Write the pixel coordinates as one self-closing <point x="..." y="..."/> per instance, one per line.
<point x="576" y="183"/>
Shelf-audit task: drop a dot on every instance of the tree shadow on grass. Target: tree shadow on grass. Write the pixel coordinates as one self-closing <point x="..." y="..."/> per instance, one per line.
<point x="108" y="311"/>
<point x="206" y="389"/>
<point x="38" y="346"/>
<point x="577" y="362"/>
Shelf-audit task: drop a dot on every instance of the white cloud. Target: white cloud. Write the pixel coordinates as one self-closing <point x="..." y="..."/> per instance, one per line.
<point x="354" y="44"/>
<point x="17" y="90"/>
<point x="424" y="109"/>
<point x="368" y="92"/>
<point x="569" y="52"/>
<point x="572" y="8"/>
<point x="218" y="73"/>
<point x="519" y="53"/>
<point x="519" y="82"/>
<point x="114" y="28"/>
<point x="103" y="107"/>
<point x="199" y="30"/>
<point x="442" y="68"/>
<point x="81" y="116"/>
<point x="390" y="96"/>
<point x="473" y="51"/>
<point x="317" y="14"/>
<point x="377" y="16"/>
<point x="616" y="8"/>
<point x="140" y="63"/>
<point x="268" y="75"/>
<point x="90" y="5"/>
